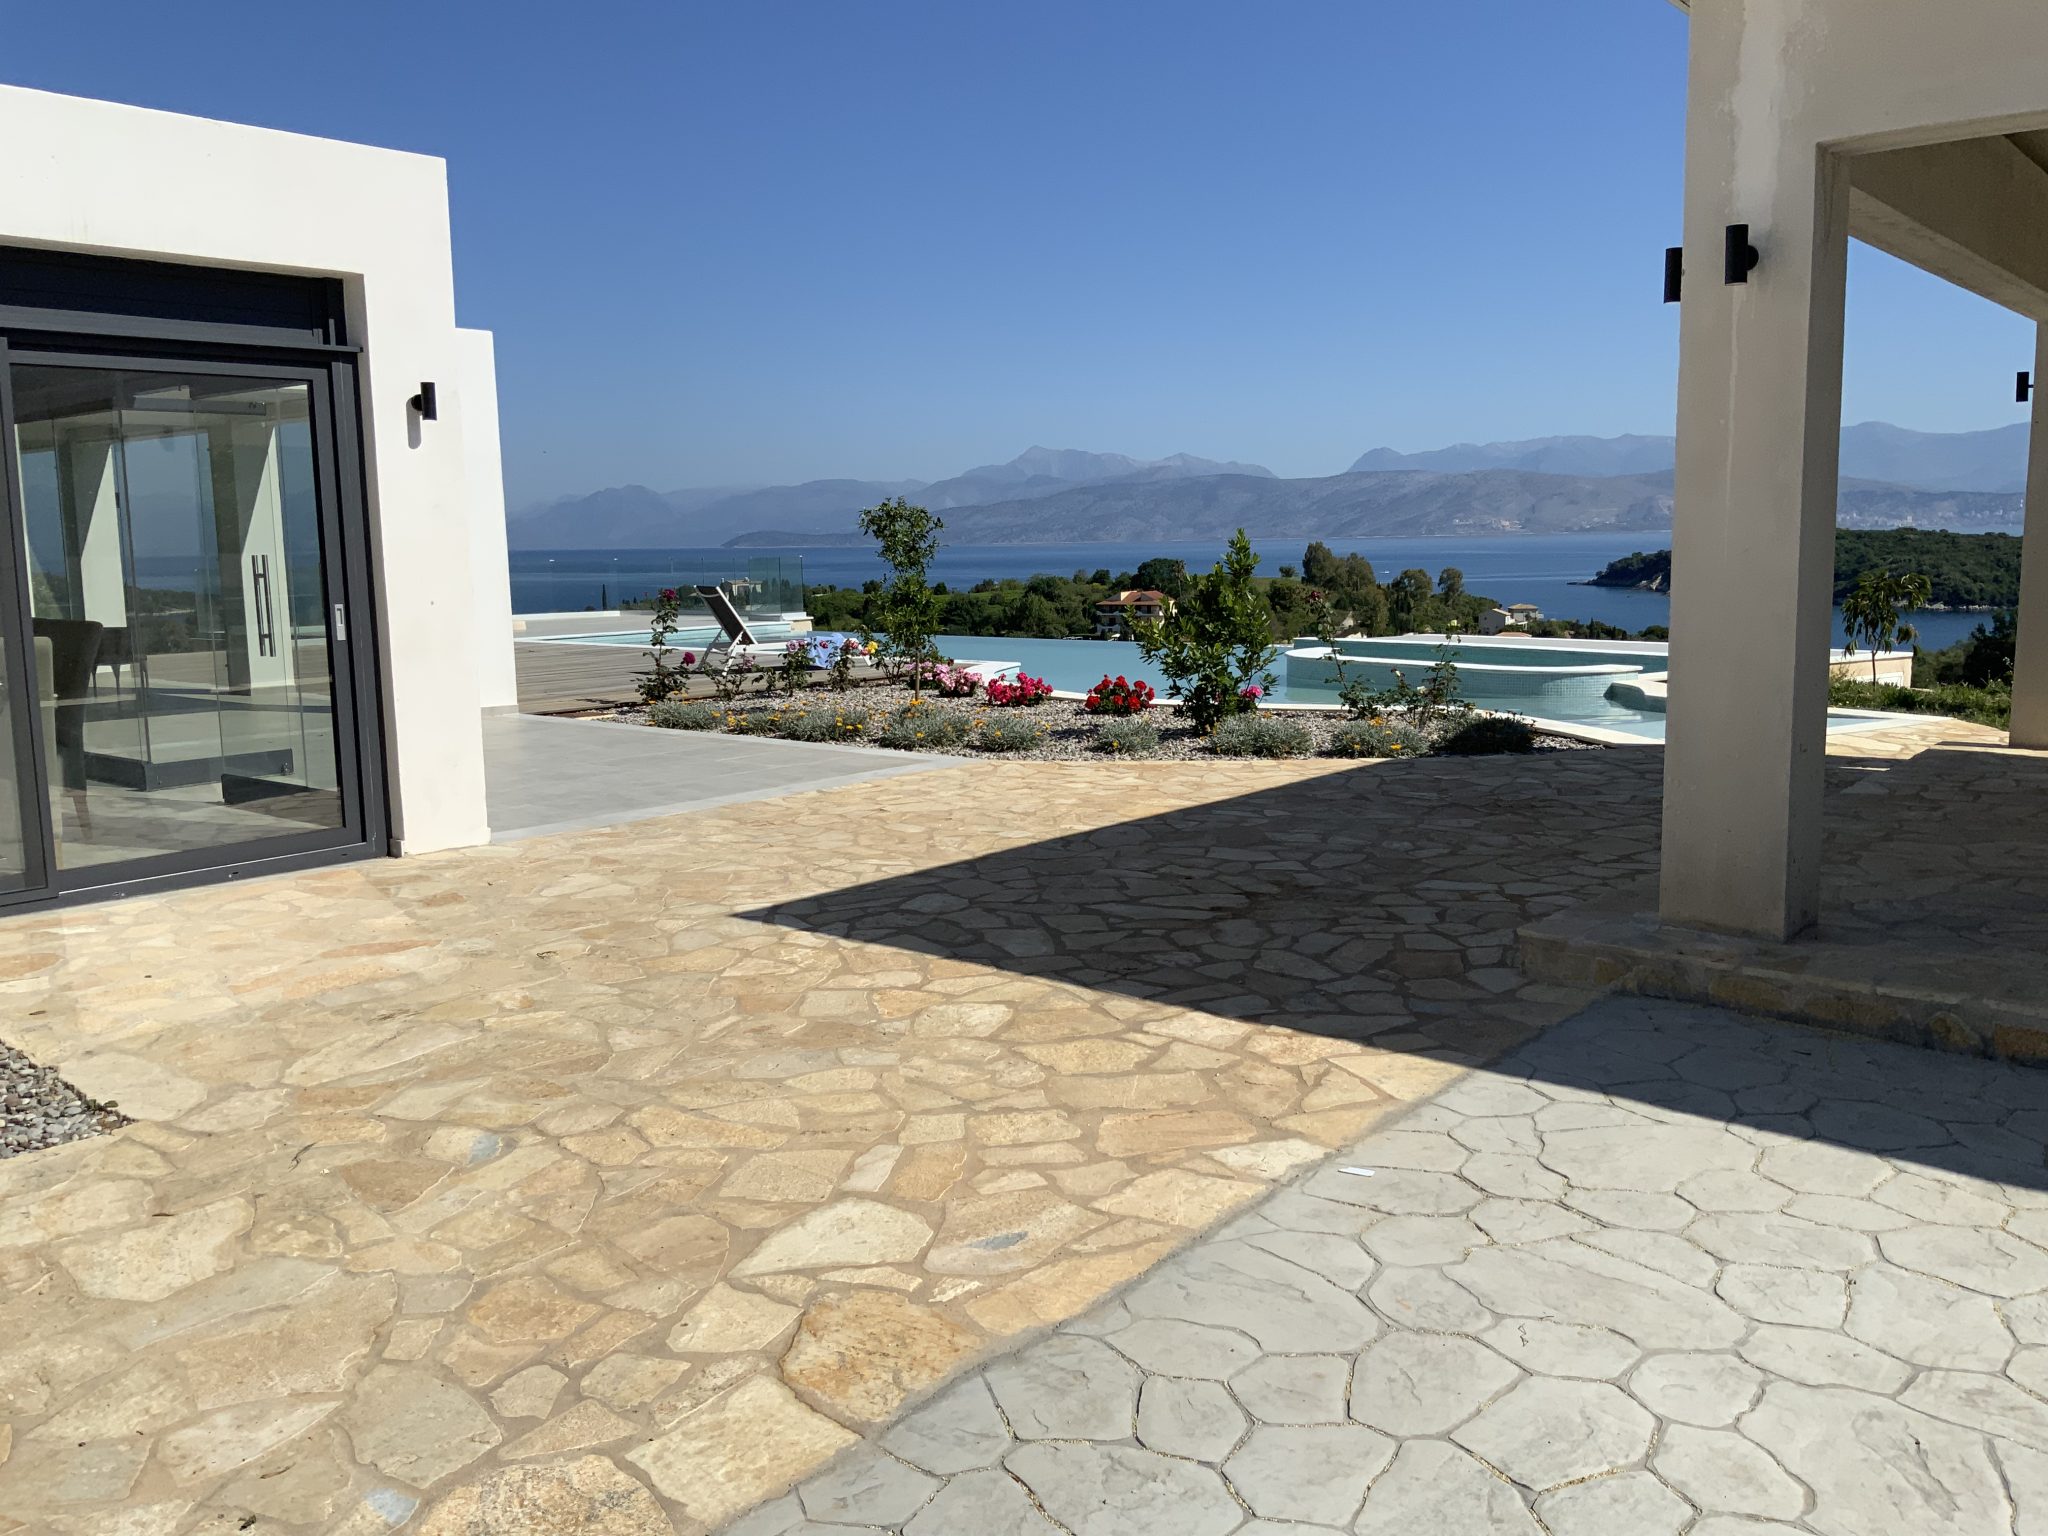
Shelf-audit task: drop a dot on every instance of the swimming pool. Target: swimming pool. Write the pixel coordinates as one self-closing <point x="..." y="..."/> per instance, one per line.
<point x="1570" y="681"/>
<point x="1606" y="685"/>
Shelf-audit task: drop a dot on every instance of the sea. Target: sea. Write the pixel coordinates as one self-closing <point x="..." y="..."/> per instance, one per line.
<point x="1549" y="570"/>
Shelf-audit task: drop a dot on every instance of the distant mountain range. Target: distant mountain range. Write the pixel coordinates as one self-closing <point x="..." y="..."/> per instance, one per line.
<point x="1892" y="477"/>
<point x="1995" y="460"/>
<point x="634" y="517"/>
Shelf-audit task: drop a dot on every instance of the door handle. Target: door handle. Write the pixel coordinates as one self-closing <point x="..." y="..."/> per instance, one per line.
<point x="266" y="620"/>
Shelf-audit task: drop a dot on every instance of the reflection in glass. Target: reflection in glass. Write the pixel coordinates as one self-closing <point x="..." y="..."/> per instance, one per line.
<point x="15" y="828"/>
<point x="178" y="604"/>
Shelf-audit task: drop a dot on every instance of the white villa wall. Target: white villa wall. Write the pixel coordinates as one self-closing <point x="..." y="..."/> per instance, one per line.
<point x="1784" y="94"/>
<point x="476" y="397"/>
<point x="98" y="177"/>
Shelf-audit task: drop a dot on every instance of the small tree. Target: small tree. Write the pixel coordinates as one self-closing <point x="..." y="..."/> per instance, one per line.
<point x="1216" y="641"/>
<point x="1161" y="574"/>
<point x="1408" y="599"/>
<point x="662" y="679"/>
<point x="1450" y="583"/>
<point x="1872" y="612"/>
<point x="906" y="611"/>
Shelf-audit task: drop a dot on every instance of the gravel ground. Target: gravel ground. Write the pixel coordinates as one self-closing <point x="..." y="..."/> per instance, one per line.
<point x="39" y="1109"/>
<point x="1070" y="730"/>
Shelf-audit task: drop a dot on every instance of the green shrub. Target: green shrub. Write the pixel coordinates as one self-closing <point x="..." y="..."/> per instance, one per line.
<point x="1261" y="736"/>
<point x="1128" y="738"/>
<point x="1957" y="701"/>
<point x="1488" y="734"/>
<point x="1378" y="738"/>
<point x="677" y="715"/>
<point x="825" y="723"/>
<point x="917" y="727"/>
<point x="756" y="722"/>
<point x="1008" y="736"/>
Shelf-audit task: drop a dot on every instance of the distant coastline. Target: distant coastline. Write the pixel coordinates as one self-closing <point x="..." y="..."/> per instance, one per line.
<point x="784" y="538"/>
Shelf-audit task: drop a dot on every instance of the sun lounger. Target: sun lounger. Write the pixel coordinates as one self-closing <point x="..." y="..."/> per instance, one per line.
<point x="734" y="637"/>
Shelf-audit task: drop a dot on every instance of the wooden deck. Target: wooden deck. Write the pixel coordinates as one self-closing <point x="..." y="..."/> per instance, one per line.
<point x="561" y="678"/>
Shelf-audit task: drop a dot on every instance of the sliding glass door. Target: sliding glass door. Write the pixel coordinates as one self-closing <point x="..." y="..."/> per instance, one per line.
<point x="188" y="699"/>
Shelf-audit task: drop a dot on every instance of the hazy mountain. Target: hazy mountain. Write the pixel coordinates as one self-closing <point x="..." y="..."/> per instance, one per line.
<point x="1042" y="471"/>
<point x="634" y="517"/>
<point x="1994" y="460"/>
<point x="1892" y="477"/>
<point x="1407" y="503"/>
<point x="1938" y="461"/>
<point x="1410" y="504"/>
<point x="1542" y="455"/>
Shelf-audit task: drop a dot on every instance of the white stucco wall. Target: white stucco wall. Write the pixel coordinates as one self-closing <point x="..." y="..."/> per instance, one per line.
<point x="476" y="404"/>
<point x="1784" y="96"/>
<point x="116" y="180"/>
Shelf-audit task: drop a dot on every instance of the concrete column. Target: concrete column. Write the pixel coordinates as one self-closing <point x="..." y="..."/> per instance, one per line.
<point x="2030" y="659"/>
<point x="483" y="476"/>
<point x="1759" y="420"/>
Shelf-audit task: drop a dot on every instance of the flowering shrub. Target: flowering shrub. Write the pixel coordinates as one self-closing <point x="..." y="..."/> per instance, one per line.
<point x="850" y="651"/>
<point x="824" y="723"/>
<point x="730" y="680"/>
<point x="1250" y="694"/>
<point x="951" y="682"/>
<point x="1022" y="693"/>
<point x="943" y="678"/>
<point x="1119" y="696"/>
<point x="754" y="722"/>
<point x="663" y="680"/>
<point x="919" y="725"/>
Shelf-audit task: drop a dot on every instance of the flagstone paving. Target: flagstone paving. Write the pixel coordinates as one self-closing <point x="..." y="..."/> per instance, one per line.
<point x="598" y="1172"/>
<point x="617" y="1180"/>
<point x="1661" y="1270"/>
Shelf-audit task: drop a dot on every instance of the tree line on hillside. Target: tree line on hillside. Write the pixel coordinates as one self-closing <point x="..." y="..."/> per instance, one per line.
<point x="1963" y="570"/>
<point x="1063" y="607"/>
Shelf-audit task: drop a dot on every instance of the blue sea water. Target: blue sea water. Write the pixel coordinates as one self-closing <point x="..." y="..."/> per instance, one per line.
<point x="1546" y="570"/>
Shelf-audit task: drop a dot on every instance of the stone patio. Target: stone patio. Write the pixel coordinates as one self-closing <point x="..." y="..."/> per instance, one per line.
<point x="1662" y="1270"/>
<point x="613" y="1181"/>
<point x="1938" y="853"/>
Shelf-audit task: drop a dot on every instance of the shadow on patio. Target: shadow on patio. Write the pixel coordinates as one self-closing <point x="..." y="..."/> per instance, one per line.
<point x="1384" y="904"/>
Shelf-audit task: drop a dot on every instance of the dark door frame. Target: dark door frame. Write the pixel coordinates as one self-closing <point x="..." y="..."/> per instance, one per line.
<point x="330" y="374"/>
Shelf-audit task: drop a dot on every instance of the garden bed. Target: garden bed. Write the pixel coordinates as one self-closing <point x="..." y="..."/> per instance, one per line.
<point x="1061" y="728"/>
<point x="39" y="1109"/>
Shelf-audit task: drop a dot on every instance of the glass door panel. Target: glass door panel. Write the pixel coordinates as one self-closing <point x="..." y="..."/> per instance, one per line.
<point x="17" y="765"/>
<point x="178" y="601"/>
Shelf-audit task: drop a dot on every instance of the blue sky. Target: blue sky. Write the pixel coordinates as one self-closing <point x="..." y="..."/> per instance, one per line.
<point x="745" y="243"/>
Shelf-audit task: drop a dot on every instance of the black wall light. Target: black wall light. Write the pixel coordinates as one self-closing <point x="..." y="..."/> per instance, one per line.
<point x="1742" y="257"/>
<point x="1674" y="274"/>
<point x="427" y="403"/>
<point x="2025" y="392"/>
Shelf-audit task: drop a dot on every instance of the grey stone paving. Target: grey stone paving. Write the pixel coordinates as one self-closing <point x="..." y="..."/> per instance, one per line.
<point x="546" y="775"/>
<point x="1664" y="1271"/>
